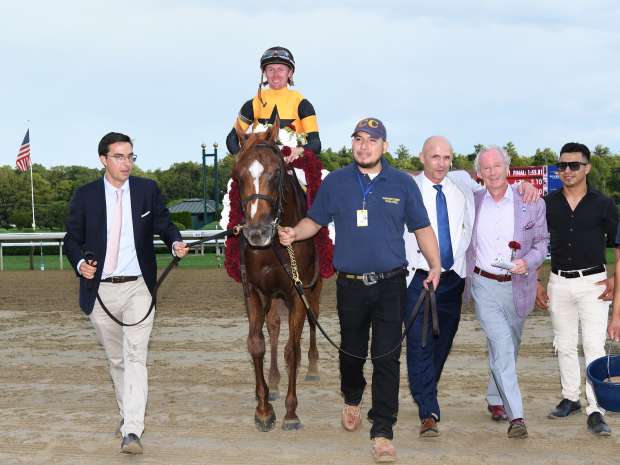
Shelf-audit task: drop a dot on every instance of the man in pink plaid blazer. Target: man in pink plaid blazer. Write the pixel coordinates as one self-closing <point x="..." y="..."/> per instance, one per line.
<point x="509" y="242"/>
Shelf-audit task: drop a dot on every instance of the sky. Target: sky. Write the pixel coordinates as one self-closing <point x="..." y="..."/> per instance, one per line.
<point x="173" y="74"/>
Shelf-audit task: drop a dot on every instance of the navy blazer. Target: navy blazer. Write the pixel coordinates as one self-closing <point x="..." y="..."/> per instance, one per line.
<point x="87" y="231"/>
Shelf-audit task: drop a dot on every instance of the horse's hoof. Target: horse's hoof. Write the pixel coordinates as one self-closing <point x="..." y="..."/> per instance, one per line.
<point x="265" y="424"/>
<point x="274" y="395"/>
<point x="310" y="377"/>
<point x="292" y="425"/>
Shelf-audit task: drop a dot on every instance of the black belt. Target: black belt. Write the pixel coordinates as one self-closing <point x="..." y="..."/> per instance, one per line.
<point x="442" y="275"/>
<point x="579" y="273"/>
<point x="119" y="279"/>
<point x="373" y="278"/>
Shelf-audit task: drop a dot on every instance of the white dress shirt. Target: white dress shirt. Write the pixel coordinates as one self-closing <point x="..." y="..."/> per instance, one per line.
<point x="455" y="201"/>
<point x="496" y="222"/>
<point x="127" y="264"/>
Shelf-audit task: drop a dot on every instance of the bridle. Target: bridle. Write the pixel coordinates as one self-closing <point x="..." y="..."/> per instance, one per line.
<point x="276" y="202"/>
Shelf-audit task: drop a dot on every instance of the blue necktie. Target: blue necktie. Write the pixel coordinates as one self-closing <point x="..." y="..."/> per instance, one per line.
<point x="443" y="229"/>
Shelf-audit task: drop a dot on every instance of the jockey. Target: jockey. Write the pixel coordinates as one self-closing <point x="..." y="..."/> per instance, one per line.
<point x="275" y="99"/>
<point x="277" y="67"/>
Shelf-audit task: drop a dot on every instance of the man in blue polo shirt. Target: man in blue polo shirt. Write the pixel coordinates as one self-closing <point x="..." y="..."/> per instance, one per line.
<point x="370" y="203"/>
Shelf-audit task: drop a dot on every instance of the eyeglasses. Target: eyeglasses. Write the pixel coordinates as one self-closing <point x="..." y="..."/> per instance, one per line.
<point x="573" y="165"/>
<point x="121" y="158"/>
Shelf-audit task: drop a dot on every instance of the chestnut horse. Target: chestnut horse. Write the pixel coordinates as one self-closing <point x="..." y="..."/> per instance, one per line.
<point x="271" y="197"/>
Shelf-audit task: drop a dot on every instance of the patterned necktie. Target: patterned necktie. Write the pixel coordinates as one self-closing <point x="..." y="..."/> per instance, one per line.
<point x="114" y="239"/>
<point x="443" y="229"/>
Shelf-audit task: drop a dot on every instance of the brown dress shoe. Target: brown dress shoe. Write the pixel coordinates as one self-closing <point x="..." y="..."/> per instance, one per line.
<point x="429" y="428"/>
<point x="517" y="429"/>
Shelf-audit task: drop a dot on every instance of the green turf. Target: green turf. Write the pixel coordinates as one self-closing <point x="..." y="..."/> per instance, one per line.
<point x="51" y="262"/>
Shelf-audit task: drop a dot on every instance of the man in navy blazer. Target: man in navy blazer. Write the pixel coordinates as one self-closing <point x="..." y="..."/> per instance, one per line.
<point x="109" y="242"/>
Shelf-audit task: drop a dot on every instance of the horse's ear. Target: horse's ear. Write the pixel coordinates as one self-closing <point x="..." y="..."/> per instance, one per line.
<point x="272" y="135"/>
<point x="241" y="135"/>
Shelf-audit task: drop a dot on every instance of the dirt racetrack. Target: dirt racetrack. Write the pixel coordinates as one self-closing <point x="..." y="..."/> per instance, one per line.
<point x="57" y="404"/>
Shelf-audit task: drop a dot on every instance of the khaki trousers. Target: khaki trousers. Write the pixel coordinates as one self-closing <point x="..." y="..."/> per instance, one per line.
<point x="574" y="304"/>
<point x="126" y="347"/>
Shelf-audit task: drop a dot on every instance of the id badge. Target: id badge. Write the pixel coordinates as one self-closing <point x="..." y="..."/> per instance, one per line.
<point x="362" y="218"/>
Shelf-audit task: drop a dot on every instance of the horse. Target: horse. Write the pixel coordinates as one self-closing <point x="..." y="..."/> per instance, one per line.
<point x="271" y="197"/>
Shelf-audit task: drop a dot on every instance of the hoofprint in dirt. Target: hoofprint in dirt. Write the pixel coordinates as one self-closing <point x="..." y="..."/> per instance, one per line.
<point x="58" y="406"/>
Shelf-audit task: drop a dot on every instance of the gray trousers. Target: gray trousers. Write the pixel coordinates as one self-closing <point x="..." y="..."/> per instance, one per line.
<point x="498" y="318"/>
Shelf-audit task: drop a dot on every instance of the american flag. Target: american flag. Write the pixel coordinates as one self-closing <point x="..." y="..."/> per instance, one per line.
<point x="23" y="157"/>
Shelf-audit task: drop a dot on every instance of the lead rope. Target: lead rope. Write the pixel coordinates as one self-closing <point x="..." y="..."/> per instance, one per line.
<point x="233" y="231"/>
<point x="427" y="298"/>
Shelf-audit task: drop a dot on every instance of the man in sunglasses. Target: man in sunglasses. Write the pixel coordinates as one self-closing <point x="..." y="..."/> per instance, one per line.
<point x="581" y="221"/>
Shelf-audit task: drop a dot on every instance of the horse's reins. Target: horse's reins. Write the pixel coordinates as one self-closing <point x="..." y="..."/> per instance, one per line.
<point x="427" y="298"/>
<point x="90" y="256"/>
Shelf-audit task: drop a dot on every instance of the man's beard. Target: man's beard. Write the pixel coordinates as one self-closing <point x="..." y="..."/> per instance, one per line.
<point x="368" y="165"/>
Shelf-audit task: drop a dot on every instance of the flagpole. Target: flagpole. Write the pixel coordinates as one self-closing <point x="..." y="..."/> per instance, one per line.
<point x="34" y="224"/>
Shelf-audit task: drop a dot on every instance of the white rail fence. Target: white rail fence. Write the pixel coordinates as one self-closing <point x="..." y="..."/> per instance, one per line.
<point x="55" y="239"/>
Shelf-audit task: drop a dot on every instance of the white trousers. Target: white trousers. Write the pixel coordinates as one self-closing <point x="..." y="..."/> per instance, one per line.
<point x="574" y="305"/>
<point x="126" y="347"/>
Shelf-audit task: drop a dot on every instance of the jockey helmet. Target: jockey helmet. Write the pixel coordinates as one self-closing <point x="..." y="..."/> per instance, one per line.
<point x="279" y="55"/>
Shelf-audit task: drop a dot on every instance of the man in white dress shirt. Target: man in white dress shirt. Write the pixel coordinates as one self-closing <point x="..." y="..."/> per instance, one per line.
<point x="109" y="242"/>
<point x="448" y="198"/>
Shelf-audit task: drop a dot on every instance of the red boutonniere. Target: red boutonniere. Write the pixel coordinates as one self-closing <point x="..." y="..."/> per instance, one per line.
<point x="286" y="151"/>
<point x="514" y="246"/>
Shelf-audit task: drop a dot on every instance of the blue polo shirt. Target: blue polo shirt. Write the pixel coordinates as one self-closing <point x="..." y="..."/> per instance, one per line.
<point x="393" y="200"/>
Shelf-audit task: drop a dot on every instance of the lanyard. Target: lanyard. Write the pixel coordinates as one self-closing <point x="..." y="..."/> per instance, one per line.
<point x="366" y="191"/>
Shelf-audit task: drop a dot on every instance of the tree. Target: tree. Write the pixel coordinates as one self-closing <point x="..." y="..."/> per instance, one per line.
<point x="21" y="219"/>
<point x="334" y="160"/>
<point x="477" y="149"/>
<point x="52" y="215"/>
<point x="601" y="151"/>
<point x="511" y="150"/>
<point x="545" y="156"/>
<point x="462" y="162"/>
<point x="181" y="181"/>
<point x="402" y="153"/>
<point x="8" y="194"/>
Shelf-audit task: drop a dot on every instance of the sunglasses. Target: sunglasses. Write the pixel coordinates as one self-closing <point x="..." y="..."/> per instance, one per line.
<point x="573" y="165"/>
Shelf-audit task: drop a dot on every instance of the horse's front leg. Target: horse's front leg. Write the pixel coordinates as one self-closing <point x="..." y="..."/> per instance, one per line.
<point x="264" y="417"/>
<point x="273" y="328"/>
<point x="313" y="352"/>
<point x="292" y="355"/>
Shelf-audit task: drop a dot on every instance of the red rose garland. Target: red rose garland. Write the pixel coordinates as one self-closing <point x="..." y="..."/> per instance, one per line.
<point x="312" y="166"/>
<point x="231" y="252"/>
